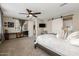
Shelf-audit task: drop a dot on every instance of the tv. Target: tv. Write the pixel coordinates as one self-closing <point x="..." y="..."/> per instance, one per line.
<point x="10" y="24"/>
<point x="42" y="25"/>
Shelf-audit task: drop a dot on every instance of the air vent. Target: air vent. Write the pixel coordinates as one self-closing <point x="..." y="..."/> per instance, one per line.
<point x="63" y="4"/>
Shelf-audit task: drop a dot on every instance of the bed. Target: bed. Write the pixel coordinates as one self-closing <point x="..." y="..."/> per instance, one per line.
<point x="60" y="46"/>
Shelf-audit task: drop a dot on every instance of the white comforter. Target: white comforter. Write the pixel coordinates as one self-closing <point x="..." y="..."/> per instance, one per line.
<point x="60" y="46"/>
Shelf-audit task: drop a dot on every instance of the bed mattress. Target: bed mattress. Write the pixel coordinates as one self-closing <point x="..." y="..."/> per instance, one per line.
<point x="60" y="46"/>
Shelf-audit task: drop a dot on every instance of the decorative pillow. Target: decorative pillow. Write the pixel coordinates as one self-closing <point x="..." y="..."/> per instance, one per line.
<point x="73" y="35"/>
<point x="74" y="38"/>
<point x="74" y="42"/>
<point x="60" y="35"/>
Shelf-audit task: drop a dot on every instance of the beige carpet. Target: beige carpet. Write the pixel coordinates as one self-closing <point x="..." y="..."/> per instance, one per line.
<point x="20" y="47"/>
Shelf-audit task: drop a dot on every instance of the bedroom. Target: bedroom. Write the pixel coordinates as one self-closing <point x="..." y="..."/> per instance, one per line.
<point x="26" y="25"/>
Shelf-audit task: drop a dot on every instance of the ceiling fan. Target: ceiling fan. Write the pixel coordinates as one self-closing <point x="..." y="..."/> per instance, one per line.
<point x="31" y="13"/>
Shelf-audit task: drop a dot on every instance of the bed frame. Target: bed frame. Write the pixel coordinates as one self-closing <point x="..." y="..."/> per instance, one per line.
<point x="51" y="53"/>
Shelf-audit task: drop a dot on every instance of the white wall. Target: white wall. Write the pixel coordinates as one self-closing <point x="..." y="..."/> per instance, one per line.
<point x="76" y="21"/>
<point x="49" y="26"/>
<point x="55" y="25"/>
<point x="16" y="28"/>
<point x="40" y="30"/>
<point x="25" y="26"/>
<point x="30" y="28"/>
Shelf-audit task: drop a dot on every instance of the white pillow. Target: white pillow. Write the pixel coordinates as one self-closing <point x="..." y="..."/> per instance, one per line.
<point x="60" y="35"/>
<point x="74" y="38"/>
<point x="73" y="35"/>
<point x="74" y="42"/>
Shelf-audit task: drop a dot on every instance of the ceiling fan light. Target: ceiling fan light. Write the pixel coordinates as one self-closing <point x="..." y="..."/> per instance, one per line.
<point x="30" y="15"/>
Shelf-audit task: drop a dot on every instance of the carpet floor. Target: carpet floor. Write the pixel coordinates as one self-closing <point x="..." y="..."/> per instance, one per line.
<point x="20" y="47"/>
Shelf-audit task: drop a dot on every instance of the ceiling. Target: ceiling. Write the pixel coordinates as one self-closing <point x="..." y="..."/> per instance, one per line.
<point x="48" y="10"/>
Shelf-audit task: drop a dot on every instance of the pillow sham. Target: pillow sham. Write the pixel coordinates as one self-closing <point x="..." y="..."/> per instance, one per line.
<point x="60" y="35"/>
<point x="74" y="35"/>
<point x="73" y="38"/>
<point x="74" y="42"/>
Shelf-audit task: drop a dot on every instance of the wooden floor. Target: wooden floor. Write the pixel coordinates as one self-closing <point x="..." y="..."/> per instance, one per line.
<point x="20" y="47"/>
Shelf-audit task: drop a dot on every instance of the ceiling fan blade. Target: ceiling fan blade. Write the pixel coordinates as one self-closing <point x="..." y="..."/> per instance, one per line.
<point x="31" y="13"/>
<point x="37" y="13"/>
<point x="34" y="15"/>
<point x="28" y="10"/>
<point x="28" y="16"/>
